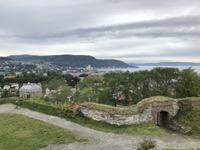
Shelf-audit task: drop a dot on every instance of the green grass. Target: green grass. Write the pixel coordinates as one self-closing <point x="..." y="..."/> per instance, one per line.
<point x="189" y="115"/>
<point x="175" y="149"/>
<point x="131" y="110"/>
<point x="18" y="132"/>
<point x="142" y="129"/>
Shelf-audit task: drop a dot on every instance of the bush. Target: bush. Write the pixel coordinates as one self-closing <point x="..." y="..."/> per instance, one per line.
<point x="43" y="107"/>
<point x="146" y="145"/>
<point x="60" y="111"/>
<point x="7" y="100"/>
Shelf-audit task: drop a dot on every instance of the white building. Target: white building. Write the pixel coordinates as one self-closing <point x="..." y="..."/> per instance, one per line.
<point x="14" y="85"/>
<point x="90" y="69"/>
<point x="6" y="87"/>
<point x="30" y="89"/>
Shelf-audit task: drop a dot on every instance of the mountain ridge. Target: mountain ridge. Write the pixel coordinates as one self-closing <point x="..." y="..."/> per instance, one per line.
<point x="73" y="60"/>
<point x="5" y="59"/>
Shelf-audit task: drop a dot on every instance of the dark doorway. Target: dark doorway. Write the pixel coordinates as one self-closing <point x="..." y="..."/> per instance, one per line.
<point x="163" y="119"/>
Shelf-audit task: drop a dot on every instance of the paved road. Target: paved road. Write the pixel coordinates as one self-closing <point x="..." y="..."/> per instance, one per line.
<point x="99" y="140"/>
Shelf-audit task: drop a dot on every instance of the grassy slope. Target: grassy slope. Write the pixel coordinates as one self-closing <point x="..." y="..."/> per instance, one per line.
<point x="174" y="149"/>
<point x="21" y="132"/>
<point x="143" y="129"/>
<point x="133" y="109"/>
<point x="189" y="114"/>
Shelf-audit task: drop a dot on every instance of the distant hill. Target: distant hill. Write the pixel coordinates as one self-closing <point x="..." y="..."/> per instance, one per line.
<point x="72" y="60"/>
<point x="190" y="64"/>
<point x="5" y="59"/>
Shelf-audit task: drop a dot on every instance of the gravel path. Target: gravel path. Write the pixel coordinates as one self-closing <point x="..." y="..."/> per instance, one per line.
<point x="98" y="140"/>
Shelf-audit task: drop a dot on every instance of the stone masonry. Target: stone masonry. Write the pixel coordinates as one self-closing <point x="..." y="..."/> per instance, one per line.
<point x="155" y="111"/>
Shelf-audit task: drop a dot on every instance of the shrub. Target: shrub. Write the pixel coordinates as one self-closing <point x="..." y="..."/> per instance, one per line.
<point x="50" y="109"/>
<point x="43" y="107"/>
<point x="7" y="100"/>
<point x="146" y="145"/>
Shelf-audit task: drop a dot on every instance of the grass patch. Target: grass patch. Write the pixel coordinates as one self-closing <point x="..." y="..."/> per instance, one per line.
<point x="189" y="114"/>
<point x="20" y="132"/>
<point x="175" y="149"/>
<point x="39" y="105"/>
<point x="142" y="129"/>
<point x="130" y="110"/>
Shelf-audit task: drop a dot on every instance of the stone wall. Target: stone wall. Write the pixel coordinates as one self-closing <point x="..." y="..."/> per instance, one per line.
<point x="148" y="113"/>
<point x="116" y="118"/>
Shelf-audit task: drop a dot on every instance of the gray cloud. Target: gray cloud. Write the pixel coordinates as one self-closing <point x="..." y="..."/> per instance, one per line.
<point x="171" y="27"/>
<point x="114" y="28"/>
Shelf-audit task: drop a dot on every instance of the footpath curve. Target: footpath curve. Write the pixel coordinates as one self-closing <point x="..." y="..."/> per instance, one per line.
<point x="98" y="140"/>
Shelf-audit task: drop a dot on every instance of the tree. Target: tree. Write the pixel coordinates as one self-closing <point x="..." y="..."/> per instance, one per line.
<point x="133" y="87"/>
<point x="5" y="94"/>
<point x="89" y="87"/>
<point x="71" y="81"/>
<point x="54" y="84"/>
<point x="94" y="82"/>
<point x="138" y="85"/>
<point x="188" y="83"/>
<point x="113" y="81"/>
<point x="105" y="97"/>
<point x="63" y="94"/>
<point x="86" y="95"/>
<point x="163" y="80"/>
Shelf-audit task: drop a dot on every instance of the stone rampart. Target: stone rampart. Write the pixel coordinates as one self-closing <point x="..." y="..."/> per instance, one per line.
<point x="145" y="112"/>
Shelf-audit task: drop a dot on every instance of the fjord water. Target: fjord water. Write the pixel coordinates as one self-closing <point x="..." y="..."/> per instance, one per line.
<point x="196" y="68"/>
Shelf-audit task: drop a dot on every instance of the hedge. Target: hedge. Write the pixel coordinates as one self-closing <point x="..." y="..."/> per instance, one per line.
<point x="64" y="112"/>
<point x="7" y="100"/>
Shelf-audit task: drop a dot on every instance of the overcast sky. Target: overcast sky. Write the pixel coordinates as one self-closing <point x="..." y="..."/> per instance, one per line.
<point x="128" y="30"/>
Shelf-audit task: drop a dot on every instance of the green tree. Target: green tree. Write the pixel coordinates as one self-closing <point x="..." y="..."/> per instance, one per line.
<point x="71" y="81"/>
<point x="94" y="82"/>
<point x="163" y="80"/>
<point x="105" y="96"/>
<point x="5" y="94"/>
<point x="86" y="95"/>
<point x="139" y="85"/>
<point x="63" y="94"/>
<point x="133" y="87"/>
<point x="88" y="88"/>
<point x="188" y="83"/>
<point x="54" y="84"/>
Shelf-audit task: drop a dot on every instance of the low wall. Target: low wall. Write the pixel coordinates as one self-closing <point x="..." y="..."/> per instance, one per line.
<point x="116" y="118"/>
<point x="145" y="113"/>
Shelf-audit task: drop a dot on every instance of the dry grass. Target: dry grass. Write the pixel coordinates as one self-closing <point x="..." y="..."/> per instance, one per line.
<point x="131" y="110"/>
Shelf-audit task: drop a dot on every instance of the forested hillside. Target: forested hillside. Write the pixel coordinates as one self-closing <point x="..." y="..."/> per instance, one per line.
<point x="73" y="60"/>
<point x="5" y="59"/>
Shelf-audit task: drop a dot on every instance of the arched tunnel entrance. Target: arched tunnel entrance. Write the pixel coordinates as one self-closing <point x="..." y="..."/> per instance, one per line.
<point x="163" y="119"/>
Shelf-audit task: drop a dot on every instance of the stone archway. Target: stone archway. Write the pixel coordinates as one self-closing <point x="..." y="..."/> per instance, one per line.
<point x="163" y="119"/>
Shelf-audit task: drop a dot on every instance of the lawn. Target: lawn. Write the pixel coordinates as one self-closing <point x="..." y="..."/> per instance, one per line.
<point x="189" y="115"/>
<point x="18" y="132"/>
<point x="142" y="129"/>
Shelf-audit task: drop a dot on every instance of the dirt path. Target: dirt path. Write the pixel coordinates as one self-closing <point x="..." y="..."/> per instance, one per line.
<point x="99" y="140"/>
